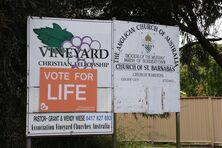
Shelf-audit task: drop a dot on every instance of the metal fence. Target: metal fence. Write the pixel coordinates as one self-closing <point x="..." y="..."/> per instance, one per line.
<point x="200" y="123"/>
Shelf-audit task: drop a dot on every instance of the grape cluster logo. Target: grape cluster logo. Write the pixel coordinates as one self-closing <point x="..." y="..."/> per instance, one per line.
<point x="147" y="43"/>
<point x="80" y="52"/>
<point x="86" y="45"/>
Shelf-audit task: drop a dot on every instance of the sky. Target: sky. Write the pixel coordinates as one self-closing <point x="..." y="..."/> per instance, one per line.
<point x="218" y="29"/>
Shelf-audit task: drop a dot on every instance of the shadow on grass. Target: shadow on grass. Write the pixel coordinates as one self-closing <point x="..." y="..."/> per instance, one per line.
<point x="101" y="141"/>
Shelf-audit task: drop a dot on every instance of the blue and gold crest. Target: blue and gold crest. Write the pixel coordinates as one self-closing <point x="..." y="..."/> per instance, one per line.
<point x="147" y="43"/>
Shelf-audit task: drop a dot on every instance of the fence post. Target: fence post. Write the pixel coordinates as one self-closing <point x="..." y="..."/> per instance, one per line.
<point x="211" y="120"/>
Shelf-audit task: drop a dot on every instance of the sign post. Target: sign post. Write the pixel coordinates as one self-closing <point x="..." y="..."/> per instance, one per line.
<point x="114" y="136"/>
<point x="178" y="130"/>
<point x="28" y="142"/>
<point x="146" y="69"/>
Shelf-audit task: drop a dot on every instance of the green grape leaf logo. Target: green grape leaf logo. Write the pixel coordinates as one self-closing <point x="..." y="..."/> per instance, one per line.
<point x="53" y="37"/>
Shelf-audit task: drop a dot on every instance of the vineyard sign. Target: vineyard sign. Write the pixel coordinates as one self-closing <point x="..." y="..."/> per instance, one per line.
<point x="69" y="77"/>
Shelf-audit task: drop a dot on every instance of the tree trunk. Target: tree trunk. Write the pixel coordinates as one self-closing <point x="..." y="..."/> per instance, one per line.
<point x="209" y="48"/>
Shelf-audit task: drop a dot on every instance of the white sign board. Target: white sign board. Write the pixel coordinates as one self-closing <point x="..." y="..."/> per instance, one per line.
<point x="70" y="124"/>
<point x="146" y="68"/>
<point x="69" y="74"/>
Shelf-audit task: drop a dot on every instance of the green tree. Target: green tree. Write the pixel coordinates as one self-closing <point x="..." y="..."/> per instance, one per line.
<point x="13" y="18"/>
<point x="194" y="17"/>
<point x="204" y="79"/>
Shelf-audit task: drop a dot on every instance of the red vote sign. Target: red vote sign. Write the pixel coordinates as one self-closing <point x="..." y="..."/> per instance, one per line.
<point x="68" y="90"/>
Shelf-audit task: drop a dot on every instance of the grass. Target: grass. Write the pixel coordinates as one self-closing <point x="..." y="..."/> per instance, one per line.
<point x="133" y="144"/>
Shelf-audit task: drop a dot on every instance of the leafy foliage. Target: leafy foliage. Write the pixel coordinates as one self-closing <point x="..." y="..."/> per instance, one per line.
<point x="200" y="75"/>
<point x="13" y="18"/>
<point x="195" y="18"/>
